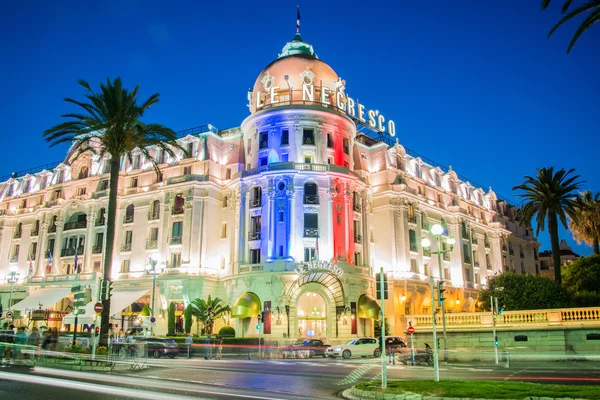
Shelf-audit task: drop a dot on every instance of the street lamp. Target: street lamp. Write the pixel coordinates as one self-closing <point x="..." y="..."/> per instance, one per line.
<point x="437" y="230"/>
<point x="13" y="277"/>
<point x="151" y="268"/>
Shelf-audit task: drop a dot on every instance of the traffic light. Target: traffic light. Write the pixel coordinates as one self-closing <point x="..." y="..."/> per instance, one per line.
<point x="496" y="342"/>
<point x="501" y="310"/>
<point x="262" y="316"/>
<point x="378" y="286"/>
<point x="440" y="292"/>
<point x="106" y="290"/>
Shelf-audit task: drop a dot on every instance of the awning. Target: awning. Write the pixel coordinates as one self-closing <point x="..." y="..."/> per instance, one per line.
<point x="368" y="307"/>
<point x="42" y="298"/>
<point x="246" y="306"/>
<point x="87" y="317"/>
<point x="121" y="299"/>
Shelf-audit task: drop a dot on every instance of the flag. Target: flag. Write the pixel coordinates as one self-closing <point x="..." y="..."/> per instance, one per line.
<point x="50" y="262"/>
<point x="30" y="266"/>
<point x="317" y="248"/>
<point x="298" y="20"/>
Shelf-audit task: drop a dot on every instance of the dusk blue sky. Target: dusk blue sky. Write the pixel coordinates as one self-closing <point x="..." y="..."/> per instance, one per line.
<point x="472" y="84"/>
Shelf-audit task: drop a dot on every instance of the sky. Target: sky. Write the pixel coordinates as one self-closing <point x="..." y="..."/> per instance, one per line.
<point x="472" y="84"/>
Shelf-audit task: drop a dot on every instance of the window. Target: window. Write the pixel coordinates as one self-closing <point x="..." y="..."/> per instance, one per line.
<point x="57" y="194"/>
<point x="129" y="212"/>
<point x="263" y="141"/>
<point x="255" y="196"/>
<point x="255" y="227"/>
<point x="61" y="176"/>
<point x="26" y="186"/>
<point x="249" y="146"/>
<point x="418" y="172"/>
<point x="412" y="218"/>
<point x="466" y="253"/>
<point x="285" y="137"/>
<point x="133" y="183"/>
<point x="263" y="161"/>
<point x="136" y="161"/>
<point x="36" y="228"/>
<point x="329" y="160"/>
<point x="32" y="250"/>
<point x="50" y="247"/>
<point x="177" y="231"/>
<point x="424" y="222"/>
<point x="311" y="193"/>
<point x="225" y="200"/>
<point x="153" y="234"/>
<point x="81" y="191"/>
<point x="307" y="159"/>
<point x="223" y="230"/>
<point x="18" y="230"/>
<point x="346" y="146"/>
<point x="160" y="156"/>
<point x="284" y="157"/>
<point x="427" y="269"/>
<point x="178" y="204"/>
<point x="99" y="243"/>
<point x="83" y="172"/>
<point x="413" y="240"/>
<point x="190" y="150"/>
<point x="128" y="237"/>
<point x="175" y="260"/>
<point x="281" y="216"/>
<point x="125" y="266"/>
<point x="310" y="253"/>
<point x="488" y="262"/>
<point x="103" y="185"/>
<point x="308" y="136"/>
<point x="311" y="225"/>
<point x="358" y="258"/>
<point x="255" y="256"/>
<point x="155" y="210"/>
<point x="228" y="173"/>
<point x="330" y="141"/>
<point x="544" y="265"/>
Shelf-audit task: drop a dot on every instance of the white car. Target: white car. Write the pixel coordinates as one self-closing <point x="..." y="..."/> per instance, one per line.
<point x="363" y="347"/>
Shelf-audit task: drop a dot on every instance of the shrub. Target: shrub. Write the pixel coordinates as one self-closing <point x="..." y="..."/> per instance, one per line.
<point x="171" y="319"/>
<point x="78" y="349"/>
<point x="227" y="331"/>
<point x="101" y="351"/>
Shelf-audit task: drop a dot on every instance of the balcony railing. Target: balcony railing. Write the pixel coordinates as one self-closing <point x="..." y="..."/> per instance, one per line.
<point x="511" y="252"/>
<point x="35" y="232"/>
<point x="97" y="249"/>
<point x="465" y="235"/>
<point x="67" y="252"/>
<point x="128" y="219"/>
<point x="100" y="222"/>
<point x="412" y="219"/>
<point x="311" y="199"/>
<point x="153" y="216"/>
<point x="126" y="247"/>
<point x="254" y="203"/>
<point x="17" y="234"/>
<point x="521" y="254"/>
<point x="75" y="225"/>
<point x="176" y="240"/>
<point x="427" y="252"/>
<point x="151" y="244"/>
<point x="311" y="232"/>
<point x="475" y="240"/>
<point x="357" y="238"/>
<point x="446" y="256"/>
<point x="253" y="235"/>
<point x="487" y="244"/>
<point x="467" y="259"/>
<point x="178" y="210"/>
<point x="414" y="247"/>
<point x="357" y="207"/>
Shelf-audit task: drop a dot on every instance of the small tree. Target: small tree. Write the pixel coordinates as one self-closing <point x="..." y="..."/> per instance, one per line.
<point x="378" y="328"/>
<point x="145" y="311"/>
<point x="188" y="318"/>
<point x="171" y="320"/>
<point x="583" y="275"/>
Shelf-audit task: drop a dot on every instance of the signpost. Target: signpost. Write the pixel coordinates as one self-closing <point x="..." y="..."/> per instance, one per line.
<point x="411" y="331"/>
<point x="82" y="296"/>
<point x="382" y="296"/>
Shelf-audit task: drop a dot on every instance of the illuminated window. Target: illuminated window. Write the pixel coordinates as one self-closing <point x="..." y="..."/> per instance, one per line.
<point x="255" y="256"/>
<point x="224" y="230"/>
<point x="285" y="137"/>
<point x="310" y="253"/>
<point x="346" y="146"/>
<point x="308" y="136"/>
<point x="330" y="141"/>
<point x="125" y="266"/>
<point x="307" y="158"/>
<point x="263" y="141"/>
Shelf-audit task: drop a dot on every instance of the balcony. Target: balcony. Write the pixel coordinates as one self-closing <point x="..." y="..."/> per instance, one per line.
<point x="358" y="239"/>
<point x="100" y="222"/>
<point x="14" y="259"/>
<point x="311" y="199"/>
<point x="67" y="252"/>
<point x="17" y="234"/>
<point x="253" y="235"/>
<point x="151" y="244"/>
<point x="521" y="254"/>
<point x="153" y="216"/>
<point x="467" y="259"/>
<point x="311" y="232"/>
<point x="35" y="232"/>
<point x="97" y="249"/>
<point x="357" y="207"/>
<point x="446" y="256"/>
<point x="427" y="252"/>
<point x="176" y="240"/>
<point x="128" y="219"/>
<point x="254" y="203"/>
<point x="487" y="244"/>
<point x="412" y="219"/>
<point x="414" y="247"/>
<point x="75" y="225"/>
<point x="476" y="264"/>
<point x="99" y="194"/>
<point x="465" y="235"/>
<point x="178" y="210"/>
<point x="475" y="240"/>
<point x="126" y="247"/>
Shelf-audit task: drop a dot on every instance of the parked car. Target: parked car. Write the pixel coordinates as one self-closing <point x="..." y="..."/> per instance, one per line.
<point x="393" y="344"/>
<point x="157" y="347"/>
<point x="304" y="348"/>
<point x="363" y="347"/>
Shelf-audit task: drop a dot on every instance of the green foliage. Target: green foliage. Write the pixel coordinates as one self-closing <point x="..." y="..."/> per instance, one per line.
<point x="585" y="224"/>
<point x="206" y="311"/>
<point x="171" y="319"/>
<point x="583" y="275"/>
<point x="523" y="292"/>
<point x="227" y="331"/>
<point x="378" y="328"/>
<point x="187" y="318"/>
<point x="586" y="299"/>
<point x="101" y="351"/>
<point x="76" y="348"/>
<point x="145" y="311"/>
<point x="592" y="8"/>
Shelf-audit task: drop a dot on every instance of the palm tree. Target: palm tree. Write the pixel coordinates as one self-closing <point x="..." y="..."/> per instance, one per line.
<point x="591" y="6"/>
<point x="549" y="195"/>
<point x="207" y="311"/>
<point x="110" y="126"/>
<point x="585" y="224"/>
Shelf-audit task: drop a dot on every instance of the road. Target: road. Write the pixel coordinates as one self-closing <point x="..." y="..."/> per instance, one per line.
<point x="316" y="378"/>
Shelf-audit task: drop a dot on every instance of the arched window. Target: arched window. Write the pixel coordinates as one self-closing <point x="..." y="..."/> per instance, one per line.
<point x="346" y="146"/>
<point x="155" y="210"/>
<point x="18" y="230"/>
<point x="179" y="204"/>
<point x="356" y="201"/>
<point x="36" y="228"/>
<point x="84" y="172"/>
<point x="129" y="213"/>
<point x="424" y="221"/>
<point x="310" y="193"/>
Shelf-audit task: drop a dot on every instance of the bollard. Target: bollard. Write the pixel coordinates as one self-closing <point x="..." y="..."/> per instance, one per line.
<point x="506" y="359"/>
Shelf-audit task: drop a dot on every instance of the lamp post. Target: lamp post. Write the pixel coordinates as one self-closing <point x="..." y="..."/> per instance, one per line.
<point x="13" y="277"/>
<point x="151" y="269"/>
<point x="437" y="230"/>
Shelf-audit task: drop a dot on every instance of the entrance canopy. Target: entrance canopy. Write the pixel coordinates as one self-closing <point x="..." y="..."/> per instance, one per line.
<point x="246" y="306"/>
<point x="123" y="298"/>
<point x="86" y="318"/>
<point x="325" y="278"/>
<point x="368" y="307"/>
<point x="42" y="298"/>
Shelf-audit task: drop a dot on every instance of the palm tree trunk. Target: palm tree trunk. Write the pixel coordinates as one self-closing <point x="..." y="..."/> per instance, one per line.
<point x="553" y="231"/>
<point x="596" y="247"/>
<point x="110" y="242"/>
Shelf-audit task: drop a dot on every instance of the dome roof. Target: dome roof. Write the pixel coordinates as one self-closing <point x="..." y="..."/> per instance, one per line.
<point x="297" y="64"/>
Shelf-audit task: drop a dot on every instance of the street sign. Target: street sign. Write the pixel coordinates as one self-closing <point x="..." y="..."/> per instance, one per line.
<point x="79" y="304"/>
<point x="9" y="314"/>
<point x="77" y="311"/>
<point x="152" y="320"/>
<point x="411" y="330"/>
<point x="75" y="289"/>
<point x="80" y="295"/>
<point x="98" y="307"/>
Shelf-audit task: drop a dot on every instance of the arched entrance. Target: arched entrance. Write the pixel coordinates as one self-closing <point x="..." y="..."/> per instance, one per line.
<point x="312" y="315"/>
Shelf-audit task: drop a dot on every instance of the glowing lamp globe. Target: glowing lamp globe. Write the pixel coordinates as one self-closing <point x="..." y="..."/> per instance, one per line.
<point x="426" y="242"/>
<point x="14" y="269"/>
<point x="451" y="241"/>
<point x="437" y="229"/>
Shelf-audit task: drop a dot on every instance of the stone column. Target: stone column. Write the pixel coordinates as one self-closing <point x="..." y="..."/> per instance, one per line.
<point x="41" y="253"/>
<point x="87" y="253"/>
<point x="56" y="268"/>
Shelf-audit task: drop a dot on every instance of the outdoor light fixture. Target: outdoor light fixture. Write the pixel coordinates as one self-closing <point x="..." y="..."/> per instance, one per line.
<point x="457" y="301"/>
<point x="437" y="229"/>
<point x="153" y="267"/>
<point x="425" y="242"/>
<point x="13" y="277"/>
<point x="403" y="297"/>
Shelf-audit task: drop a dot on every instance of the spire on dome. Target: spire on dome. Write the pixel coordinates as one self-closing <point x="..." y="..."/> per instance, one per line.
<point x="297" y="45"/>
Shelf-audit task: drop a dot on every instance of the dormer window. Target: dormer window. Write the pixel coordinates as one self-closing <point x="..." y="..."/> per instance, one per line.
<point x="83" y="172"/>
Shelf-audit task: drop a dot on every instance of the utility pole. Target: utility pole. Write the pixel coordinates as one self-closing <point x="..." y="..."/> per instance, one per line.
<point x="494" y="330"/>
<point x="383" y="296"/>
<point x="436" y="364"/>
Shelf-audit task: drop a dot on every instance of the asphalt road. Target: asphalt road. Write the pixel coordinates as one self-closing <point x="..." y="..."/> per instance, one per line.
<point x="316" y="378"/>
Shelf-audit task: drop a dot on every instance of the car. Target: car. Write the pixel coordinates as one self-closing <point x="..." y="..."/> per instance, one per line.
<point x="393" y="344"/>
<point x="304" y="348"/>
<point x="157" y="347"/>
<point x="366" y="346"/>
